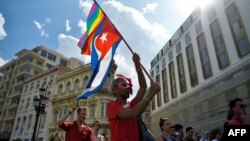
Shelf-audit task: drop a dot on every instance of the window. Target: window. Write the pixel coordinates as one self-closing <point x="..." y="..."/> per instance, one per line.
<point x="77" y="83"/>
<point x="181" y="72"/>
<point x="31" y="86"/>
<point x="92" y="110"/>
<point x="157" y="69"/>
<point x="187" y="38"/>
<point x="17" y="124"/>
<point x="238" y="30"/>
<point x="170" y="55"/>
<point x="49" y="65"/>
<point x="26" y="88"/>
<point x="211" y="13"/>
<point x="204" y="57"/>
<point x="165" y="85"/>
<point x="60" y="88"/>
<point x="63" y="62"/>
<point x="29" y="121"/>
<point x="219" y="45"/>
<point x="37" y="84"/>
<point x="103" y="109"/>
<point x="68" y="86"/>
<point x="163" y="63"/>
<point x="198" y="27"/>
<point x="172" y="80"/>
<point x="52" y="57"/>
<point x="178" y="47"/>
<point x="24" y="122"/>
<point x="191" y="65"/>
<point x="158" y="95"/>
<point x="152" y="74"/>
<point x="44" y="53"/>
<point x="85" y="81"/>
<point x="27" y="104"/>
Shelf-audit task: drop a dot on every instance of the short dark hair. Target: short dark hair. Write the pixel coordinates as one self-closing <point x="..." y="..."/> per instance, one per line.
<point x="178" y="127"/>
<point x="162" y="120"/>
<point x="97" y="123"/>
<point x="188" y="129"/>
<point x="232" y="103"/>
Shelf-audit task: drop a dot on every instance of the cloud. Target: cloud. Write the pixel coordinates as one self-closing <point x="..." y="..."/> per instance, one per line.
<point x="2" y="61"/>
<point x="144" y="37"/>
<point x="85" y="5"/>
<point x="68" y="28"/>
<point x="83" y="25"/>
<point x="150" y="8"/>
<point x="40" y="27"/>
<point x="2" y="31"/>
<point x="68" y="47"/>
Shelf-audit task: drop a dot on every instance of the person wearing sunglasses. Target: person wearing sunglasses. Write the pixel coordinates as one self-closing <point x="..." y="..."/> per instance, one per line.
<point x="122" y="115"/>
<point x="238" y="109"/>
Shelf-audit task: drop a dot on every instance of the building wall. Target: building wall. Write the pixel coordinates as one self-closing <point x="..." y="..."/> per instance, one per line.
<point x="203" y="105"/>
<point x="27" y="64"/>
<point x="26" y="115"/>
<point x="68" y="87"/>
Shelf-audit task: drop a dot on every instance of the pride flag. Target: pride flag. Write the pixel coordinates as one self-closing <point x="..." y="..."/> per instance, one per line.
<point x="100" y="41"/>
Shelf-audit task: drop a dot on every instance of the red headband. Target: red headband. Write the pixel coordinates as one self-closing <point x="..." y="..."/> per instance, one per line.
<point x="129" y="81"/>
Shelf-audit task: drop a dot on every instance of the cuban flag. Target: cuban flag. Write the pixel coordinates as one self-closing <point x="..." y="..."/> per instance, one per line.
<point x="101" y="44"/>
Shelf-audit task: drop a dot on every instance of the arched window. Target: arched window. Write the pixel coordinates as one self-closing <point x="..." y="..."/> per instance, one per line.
<point x="68" y="86"/>
<point x="29" y="121"/>
<point x="77" y="83"/>
<point x="60" y="88"/>
<point x="17" y="124"/>
<point x="85" y="81"/>
<point x="27" y="104"/>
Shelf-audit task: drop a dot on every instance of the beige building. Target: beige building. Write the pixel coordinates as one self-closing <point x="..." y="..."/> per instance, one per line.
<point x="68" y="87"/>
<point x="203" y="66"/>
<point x="14" y="73"/>
<point x="26" y="114"/>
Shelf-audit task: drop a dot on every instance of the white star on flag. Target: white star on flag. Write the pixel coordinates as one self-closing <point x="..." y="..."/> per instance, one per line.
<point x="104" y="37"/>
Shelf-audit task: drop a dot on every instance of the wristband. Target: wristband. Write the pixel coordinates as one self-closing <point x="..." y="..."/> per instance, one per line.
<point x="69" y="112"/>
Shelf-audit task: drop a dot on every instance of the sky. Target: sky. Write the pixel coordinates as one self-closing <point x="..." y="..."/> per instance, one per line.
<point x="146" y="25"/>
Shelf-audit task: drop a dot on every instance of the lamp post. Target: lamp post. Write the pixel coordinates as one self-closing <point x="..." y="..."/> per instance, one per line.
<point x="40" y="106"/>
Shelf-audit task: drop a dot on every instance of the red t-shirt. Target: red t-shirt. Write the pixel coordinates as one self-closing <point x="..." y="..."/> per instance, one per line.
<point x="73" y="132"/>
<point x="235" y="121"/>
<point x="121" y="129"/>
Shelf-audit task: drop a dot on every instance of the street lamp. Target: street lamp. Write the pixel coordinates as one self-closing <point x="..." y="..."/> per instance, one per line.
<point x="40" y="105"/>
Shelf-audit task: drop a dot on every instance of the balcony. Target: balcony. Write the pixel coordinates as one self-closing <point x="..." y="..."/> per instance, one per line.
<point x="13" y="95"/>
<point x="11" y="105"/>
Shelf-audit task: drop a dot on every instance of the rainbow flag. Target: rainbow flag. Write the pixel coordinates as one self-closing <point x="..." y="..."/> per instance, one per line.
<point x="94" y="18"/>
<point x="100" y="41"/>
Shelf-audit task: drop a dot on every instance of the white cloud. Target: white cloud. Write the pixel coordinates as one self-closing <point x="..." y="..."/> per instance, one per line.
<point x="47" y="20"/>
<point x="2" y="31"/>
<point x="85" y="5"/>
<point x="40" y="27"/>
<point x="68" y="47"/>
<point x="2" y="61"/>
<point x="68" y="28"/>
<point x="83" y="25"/>
<point x="144" y="37"/>
<point x="150" y="7"/>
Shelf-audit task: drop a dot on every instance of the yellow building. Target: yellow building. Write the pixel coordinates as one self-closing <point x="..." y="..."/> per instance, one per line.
<point x="68" y="87"/>
<point x="15" y="72"/>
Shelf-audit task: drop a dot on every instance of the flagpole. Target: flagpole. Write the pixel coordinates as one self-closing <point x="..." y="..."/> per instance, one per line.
<point x="151" y="79"/>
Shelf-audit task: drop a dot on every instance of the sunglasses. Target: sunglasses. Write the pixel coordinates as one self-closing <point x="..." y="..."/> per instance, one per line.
<point x="163" y="119"/>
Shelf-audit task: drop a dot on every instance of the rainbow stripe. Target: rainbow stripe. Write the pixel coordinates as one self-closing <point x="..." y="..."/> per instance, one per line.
<point x="94" y="18"/>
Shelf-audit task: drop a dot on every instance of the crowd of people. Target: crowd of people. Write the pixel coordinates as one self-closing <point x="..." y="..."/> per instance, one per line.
<point x="122" y="116"/>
